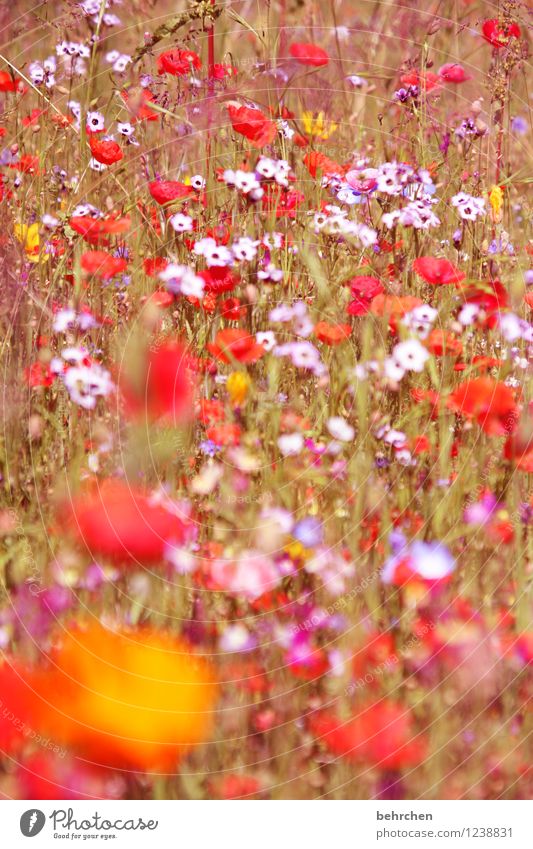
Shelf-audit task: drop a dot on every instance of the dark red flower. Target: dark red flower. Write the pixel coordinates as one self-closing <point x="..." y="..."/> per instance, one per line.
<point x="154" y="266"/>
<point x="252" y="124"/>
<point x="365" y="287"/>
<point x="105" y="152"/>
<point x="232" y="309"/>
<point x="165" y="191"/>
<point x="519" y="447"/>
<point x="178" y="62"/>
<point x="10" y="83"/>
<point x="498" y="34"/>
<point x="309" y="54"/>
<point x="122" y="523"/>
<point x="452" y="72"/>
<point x="220" y="72"/>
<point x="438" y="272"/>
<point x="219" y="279"/>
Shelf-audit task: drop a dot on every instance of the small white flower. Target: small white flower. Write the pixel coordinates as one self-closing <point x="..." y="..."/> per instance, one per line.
<point x="266" y="168"/>
<point x="202" y="245"/>
<point x="393" y="370"/>
<point x="95" y="122"/>
<point x="63" y="320"/>
<point x="181" y="223"/>
<point x="198" y="182"/>
<point x="340" y="429"/>
<point x="396" y="438"/>
<point x="290" y="444"/>
<point x="125" y="129"/>
<point x="244" y="249"/>
<point x="468" y="314"/>
<point x="411" y="355"/>
<point x="267" y="339"/>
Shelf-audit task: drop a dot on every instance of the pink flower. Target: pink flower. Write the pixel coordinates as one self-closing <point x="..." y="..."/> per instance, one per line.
<point x="251" y="575"/>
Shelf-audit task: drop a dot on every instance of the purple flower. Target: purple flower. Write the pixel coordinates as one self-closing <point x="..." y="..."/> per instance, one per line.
<point x="308" y="531"/>
<point x="482" y="511"/>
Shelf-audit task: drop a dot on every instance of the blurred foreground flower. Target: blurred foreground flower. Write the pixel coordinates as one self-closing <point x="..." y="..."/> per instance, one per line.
<point x="135" y="699"/>
<point x="123" y="524"/>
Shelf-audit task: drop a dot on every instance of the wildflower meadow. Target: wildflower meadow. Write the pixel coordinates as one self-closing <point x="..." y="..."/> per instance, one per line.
<point x="266" y="444"/>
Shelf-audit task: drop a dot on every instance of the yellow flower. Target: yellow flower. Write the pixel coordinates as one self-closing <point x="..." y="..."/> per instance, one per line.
<point x="297" y="551"/>
<point x="238" y="385"/>
<point x="496" y="202"/>
<point x="317" y="125"/>
<point x="28" y="236"/>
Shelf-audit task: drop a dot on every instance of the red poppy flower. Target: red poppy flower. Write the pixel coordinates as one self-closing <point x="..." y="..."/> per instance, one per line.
<point x="426" y="81"/>
<point x="102" y="265"/>
<point x="498" y="34"/>
<point x="33" y="117"/>
<point x="15" y="699"/>
<point x="490" y="295"/>
<point x="220" y="72"/>
<point x="331" y="334"/>
<point x="365" y="287"/>
<point x="95" y="230"/>
<point x="178" y="62"/>
<point x="232" y="309"/>
<point x="123" y="524"/>
<point x="519" y="449"/>
<point x="224" y="434"/>
<point x="219" y="279"/>
<point x="164" y="386"/>
<point x="316" y="161"/>
<point x="252" y="124"/>
<point x="311" y="665"/>
<point x="165" y="191"/>
<point x="52" y="776"/>
<point x="27" y="164"/>
<point x="380" y="734"/>
<point x="9" y="83"/>
<point x="210" y="410"/>
<point x="309" y="54"/>
<point x="491" y="403"/>
<point x="358" y="307"/>
<point x="106" y="152"/>
<point x="378" y="651"/>
<point x="137" y="101"/>
<point x="235" y="787"/>
<point x="239" y="343"/>
<point x="39" y="374"/>
<point x="394" y="305"/>
<point x="442" y="343"/>
<point x="154" y="266"/>
<point x="452" y="72"/>
<point x="438" y="272"/>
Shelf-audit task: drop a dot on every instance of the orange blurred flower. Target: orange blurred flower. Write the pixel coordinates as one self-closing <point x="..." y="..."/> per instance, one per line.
<point x="134" y="699"/>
